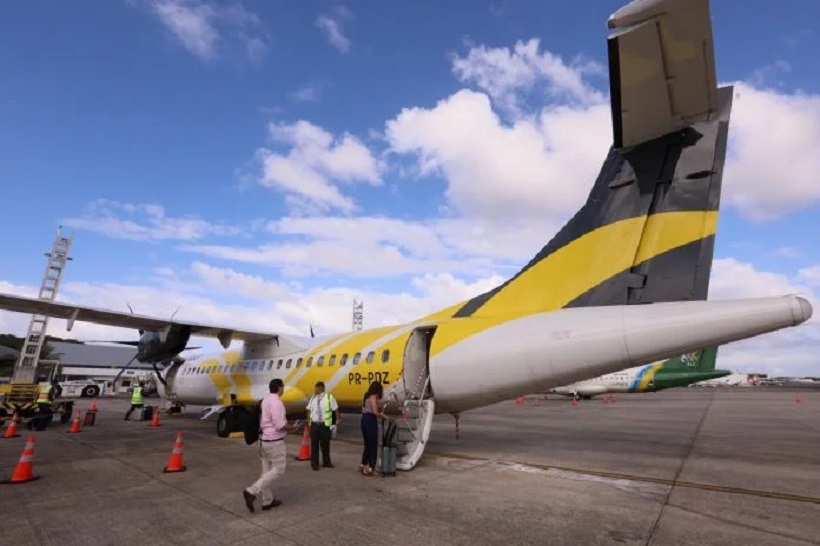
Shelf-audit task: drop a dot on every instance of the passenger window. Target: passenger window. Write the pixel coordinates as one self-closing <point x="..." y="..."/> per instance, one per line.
<point x="344" y="360"/>
<point x="309" y="362"/>
<point x="270" y="365"/>
<point x="385" y="356"/>
<point x="288" y="364"/>
<point x="299" y="363"/>
<point x="279" y="364"/>
<point x="370" y="356"/>
<point x="321" y="360"/>
<point x="332" y="361"/>
<point x="356" y="358"/>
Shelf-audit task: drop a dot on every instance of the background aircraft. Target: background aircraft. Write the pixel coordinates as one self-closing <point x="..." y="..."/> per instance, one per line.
<point x="622" y="284"/>
<point x="675" y="372"/>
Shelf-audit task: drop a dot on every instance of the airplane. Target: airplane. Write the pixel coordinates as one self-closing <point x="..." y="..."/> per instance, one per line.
<point x="624" y="283"/>
<point x="680" y="371"/>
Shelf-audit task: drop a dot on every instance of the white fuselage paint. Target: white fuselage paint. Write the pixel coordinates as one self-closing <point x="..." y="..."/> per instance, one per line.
<point x="545" y="350"/>
<point x="618" y="382"/>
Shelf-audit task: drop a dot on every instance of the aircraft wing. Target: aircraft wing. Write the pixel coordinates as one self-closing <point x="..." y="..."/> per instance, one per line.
<point x="72" y="313"/>
<point x="661" y="68"/>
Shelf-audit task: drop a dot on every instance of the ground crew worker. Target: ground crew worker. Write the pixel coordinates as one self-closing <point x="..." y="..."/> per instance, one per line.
<point x="45" y="409"/>
<point x="273" y="426"/>
<point x="323" y="414"/>
<point x="136" y="399"/>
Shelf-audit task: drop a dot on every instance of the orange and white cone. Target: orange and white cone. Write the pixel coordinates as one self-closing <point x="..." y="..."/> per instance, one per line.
<point x="304" y="450"/>
<point x="24" y="471"/>
<point x="155" y="422"/>
<point x="93" y="406"/>
<point x="175" y="460"/>
<point x="11" y="431"/>
<point x="75" y="424"/>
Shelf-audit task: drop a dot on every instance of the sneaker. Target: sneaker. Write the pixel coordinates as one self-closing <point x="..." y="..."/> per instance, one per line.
<point x="274" y="503"/>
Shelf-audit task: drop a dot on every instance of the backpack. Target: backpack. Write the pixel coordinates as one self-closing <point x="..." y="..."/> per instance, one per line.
<point x="250" y="423"/>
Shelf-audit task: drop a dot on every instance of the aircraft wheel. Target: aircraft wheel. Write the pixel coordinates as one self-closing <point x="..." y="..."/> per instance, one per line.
<point x="224" y="425"/>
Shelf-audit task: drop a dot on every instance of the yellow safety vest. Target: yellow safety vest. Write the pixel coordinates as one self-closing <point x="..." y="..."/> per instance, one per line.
<point x="328" y="411"/>
<point x="43" y="397"/>
<point x="136" y="396"/>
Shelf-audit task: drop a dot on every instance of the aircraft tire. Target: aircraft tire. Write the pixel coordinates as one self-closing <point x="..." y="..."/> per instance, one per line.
<point x="224" y="424"/>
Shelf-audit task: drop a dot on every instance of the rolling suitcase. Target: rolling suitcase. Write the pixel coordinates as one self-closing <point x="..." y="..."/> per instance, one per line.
<point x="147" y="413"/>
<point x="388" y="462"/>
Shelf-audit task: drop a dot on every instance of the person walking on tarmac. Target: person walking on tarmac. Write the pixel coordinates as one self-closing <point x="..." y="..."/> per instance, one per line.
<point x="136" y="399"/>
<point x="273" y="427"/>
<point x="323" y="414"/>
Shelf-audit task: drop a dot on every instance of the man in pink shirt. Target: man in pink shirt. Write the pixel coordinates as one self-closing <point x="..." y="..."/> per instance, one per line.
<point x="273" y="426"/>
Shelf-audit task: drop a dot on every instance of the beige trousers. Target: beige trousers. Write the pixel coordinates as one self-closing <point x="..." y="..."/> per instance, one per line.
<point x="274" y="459"/>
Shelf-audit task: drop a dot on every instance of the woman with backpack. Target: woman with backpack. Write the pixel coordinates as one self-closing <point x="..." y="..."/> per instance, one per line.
<point x="370" y="427"/>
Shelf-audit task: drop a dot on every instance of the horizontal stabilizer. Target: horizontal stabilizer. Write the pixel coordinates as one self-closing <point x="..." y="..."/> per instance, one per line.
<point x="661" y="68"/>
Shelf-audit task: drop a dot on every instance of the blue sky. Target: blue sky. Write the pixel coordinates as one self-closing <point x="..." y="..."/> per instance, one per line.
<point x="159" y="130"/>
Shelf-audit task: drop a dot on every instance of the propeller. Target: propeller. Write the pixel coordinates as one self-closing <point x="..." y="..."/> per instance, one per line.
<point x="311" y="331"/>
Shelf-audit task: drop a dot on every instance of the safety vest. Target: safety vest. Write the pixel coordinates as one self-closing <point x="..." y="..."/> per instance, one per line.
<point x="136" y="396"/>
<point x="43" y="397"/>
<point x="328" y="411"/>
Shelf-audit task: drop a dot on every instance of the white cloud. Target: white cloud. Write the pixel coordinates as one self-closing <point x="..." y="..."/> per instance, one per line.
<point x="507" y="74"/>
<point x="315" y="161"/>
<point x="205" y="28"/>
<point x="310" y="92"/>
<point x="544" y="165"/>
<point x="810" y="275"/>
<point x="772" y="163"/>
<point x="789" y="252"/>
<point x="332" y="26"/>
<point x="145" y="222"/>
<point x="787" y="352"/>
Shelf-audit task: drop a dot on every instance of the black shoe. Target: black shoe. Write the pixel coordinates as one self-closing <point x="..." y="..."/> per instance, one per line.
<point x="329" y="465"/>
<point x="249" y="499"/>
<point x="274" y="503"/>
<point x="315" y="466"/>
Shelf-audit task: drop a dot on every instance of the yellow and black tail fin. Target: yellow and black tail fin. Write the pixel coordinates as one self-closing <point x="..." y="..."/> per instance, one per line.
<point x="646" y="233"/>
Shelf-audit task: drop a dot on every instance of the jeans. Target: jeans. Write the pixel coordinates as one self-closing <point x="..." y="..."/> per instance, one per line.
<point x="370" y="433"/>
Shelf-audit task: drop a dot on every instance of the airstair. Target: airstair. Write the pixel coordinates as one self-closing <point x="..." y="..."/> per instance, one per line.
<point x="416" y="405"/>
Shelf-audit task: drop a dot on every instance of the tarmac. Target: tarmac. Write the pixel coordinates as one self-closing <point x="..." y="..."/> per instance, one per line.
<point x="685" y="466"/>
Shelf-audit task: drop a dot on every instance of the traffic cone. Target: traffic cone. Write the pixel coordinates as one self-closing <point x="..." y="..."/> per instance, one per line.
<point x="93" y="406"/>
<point x="75" y="424"/>
<point x="23" y="472"/>
<point x="797" y="398"/>
<point x="175" y="460"/>
<point x="606" y="399"/>
<point x="11" y="431"/>
<point x="519" y="400"/>
<point x="304" y="450"/>
<point x="574" y="401"/>
<point x="537" y="401"/>
<point x="155" y="422"/>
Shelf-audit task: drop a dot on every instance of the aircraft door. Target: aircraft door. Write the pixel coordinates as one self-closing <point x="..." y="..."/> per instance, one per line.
<point x="416" y="360"/>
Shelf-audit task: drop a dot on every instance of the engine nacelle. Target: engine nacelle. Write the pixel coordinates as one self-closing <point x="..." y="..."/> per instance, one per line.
<point x="152" y="349"/>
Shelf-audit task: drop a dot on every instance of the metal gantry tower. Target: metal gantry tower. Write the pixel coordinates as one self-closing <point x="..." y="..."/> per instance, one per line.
<point x="358" y="315"/>
<point x="36" y="335"/>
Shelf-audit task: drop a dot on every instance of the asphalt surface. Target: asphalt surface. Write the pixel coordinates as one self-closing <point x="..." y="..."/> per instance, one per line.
<point x="686" y="466"/>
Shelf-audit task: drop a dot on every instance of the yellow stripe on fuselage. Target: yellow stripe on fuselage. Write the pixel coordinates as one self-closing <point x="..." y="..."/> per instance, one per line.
<point x="578" y="267"/>
<point x="648" y="376"/>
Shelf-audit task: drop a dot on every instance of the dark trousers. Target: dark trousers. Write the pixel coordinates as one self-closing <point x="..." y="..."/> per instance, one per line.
<point x="319" y="435"/>
<point x="132" y="408"/>
<point x="370" y="433"/>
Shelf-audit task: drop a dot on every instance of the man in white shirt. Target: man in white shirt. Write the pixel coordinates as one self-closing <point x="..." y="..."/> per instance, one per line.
<point x="273" y="426"/>
<point x="323" y="413"/>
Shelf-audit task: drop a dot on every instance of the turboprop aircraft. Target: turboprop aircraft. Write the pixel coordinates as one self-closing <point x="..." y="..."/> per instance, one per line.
<point x="624" y="283"/>
<point x="674" y="372"/>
